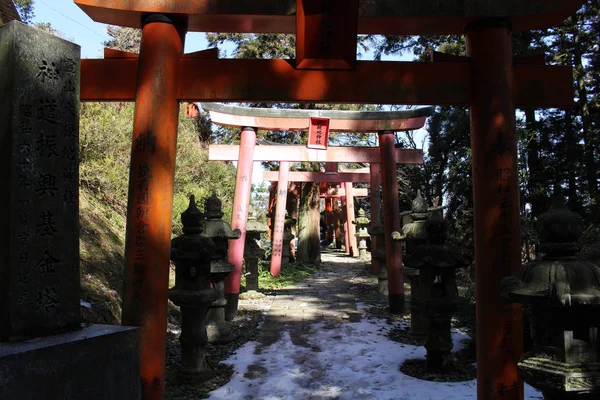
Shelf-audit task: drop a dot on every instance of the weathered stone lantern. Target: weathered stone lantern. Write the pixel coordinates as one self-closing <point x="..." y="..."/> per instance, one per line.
<point x="362" y="234"/>
<point x="378" y="232"/>
<point x="414" y="235"/>
<point x="288" y="236"/>
<point x="253" y="252"/>
<point x="564" y="294"/>
<point x="437" y="263"/>
<point x="192" y="292"/>
<point x="220" y="232"/>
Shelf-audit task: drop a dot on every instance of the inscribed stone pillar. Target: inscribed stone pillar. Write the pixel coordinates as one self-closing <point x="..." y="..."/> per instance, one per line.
<point x="39" y="117"/>
<point x="39" y="270"/>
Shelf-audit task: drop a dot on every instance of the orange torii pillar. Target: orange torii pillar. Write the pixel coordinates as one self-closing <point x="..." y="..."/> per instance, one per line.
<point x="149" y="208"/>
<point x="278" y="225"/>
<point x="344" y="218"/>
<point x="329" y="219"/>
<point x="391" y="222"/>
<point x="496" y="200"/>
<point x="351" y="247"/>
<point x="375" y="169"/>
<point x="239" y="216"/>
<point x="336" y="223"/>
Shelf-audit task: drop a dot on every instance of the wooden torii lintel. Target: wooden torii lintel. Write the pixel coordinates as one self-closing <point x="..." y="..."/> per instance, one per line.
<point x="336" y="193"/>
<point x="222" y="152"/>
<point x="303" y="176"/>
<point x="339" y="121"/>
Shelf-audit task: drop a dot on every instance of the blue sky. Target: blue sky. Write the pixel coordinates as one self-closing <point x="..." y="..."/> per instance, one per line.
<point x="67" y="18"/>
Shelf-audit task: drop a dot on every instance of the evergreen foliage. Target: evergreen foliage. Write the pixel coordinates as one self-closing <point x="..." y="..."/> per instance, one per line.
<point x="105" y="150"/>
<point x="25" y="10"/>
<point x="555" y="146"/>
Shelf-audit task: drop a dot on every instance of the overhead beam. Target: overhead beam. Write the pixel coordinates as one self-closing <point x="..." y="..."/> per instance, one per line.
<point x="387" y="17"/>
<point x="417" y="83"/>
<point x="303" y="154"/>
<point x="302" y="176"/>
<point x="334" y="193"/>
<point x="340" y="121"/>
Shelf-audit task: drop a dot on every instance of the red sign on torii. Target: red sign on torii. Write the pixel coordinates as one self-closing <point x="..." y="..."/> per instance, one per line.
<point x="326" y="70"/>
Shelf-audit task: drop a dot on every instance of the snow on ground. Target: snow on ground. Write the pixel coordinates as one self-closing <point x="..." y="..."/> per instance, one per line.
<point x="350" y="361"/>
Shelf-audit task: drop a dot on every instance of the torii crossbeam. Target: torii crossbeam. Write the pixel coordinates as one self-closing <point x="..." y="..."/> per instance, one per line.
<point x="355" y="121"/>
<point x="489" y="81"/>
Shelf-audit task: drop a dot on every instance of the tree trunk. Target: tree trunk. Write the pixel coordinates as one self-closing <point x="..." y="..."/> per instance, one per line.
<point x="292" y="206"/>
<point x="536" y="192"/>
<point x="572" y="154"/>
<point x="583" y="107"/>
<point x="309" y="246"/>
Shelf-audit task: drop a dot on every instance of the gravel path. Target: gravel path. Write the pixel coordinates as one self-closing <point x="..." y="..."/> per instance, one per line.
<point x="328" y="296"/>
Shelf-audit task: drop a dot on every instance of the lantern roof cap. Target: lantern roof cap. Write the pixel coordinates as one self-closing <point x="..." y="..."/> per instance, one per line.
<point x="559" y="278"/>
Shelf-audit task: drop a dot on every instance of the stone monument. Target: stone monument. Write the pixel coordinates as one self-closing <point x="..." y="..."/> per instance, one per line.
<point x="45" y="353"/>
<point x="377" y="231"/>
<point x="414" y="235"/>
<point x="192" y="255"/>
<point x="362" y="234"/>
<point x="220" y="232"/>
<point x="288" y="237"/>
<point x="253" y="252"/>
<point x="437" y="263"/>
<point x="564" y="294"/>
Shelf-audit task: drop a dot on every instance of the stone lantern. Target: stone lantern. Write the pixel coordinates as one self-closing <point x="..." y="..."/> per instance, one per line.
<point x="192" y="292"/>
<point x="253" y="252"/>
<point x="564" y="294"/>
<point x="377" y="231"/>
<point x="414" y="235"/>
<point x="288" y="236"/>
<point x="437" y="263"/>
<point x="220" y="232"/>
<point x="362" y="234"/>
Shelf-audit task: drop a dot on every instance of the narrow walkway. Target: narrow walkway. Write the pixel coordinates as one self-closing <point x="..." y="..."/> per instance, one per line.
<point x="326" y="339"/>
<point x="326" y="297"/>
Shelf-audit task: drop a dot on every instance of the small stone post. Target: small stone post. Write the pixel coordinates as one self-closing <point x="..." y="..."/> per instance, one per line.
<point x="437" y="264"/>
<point x="192" y="254"/>
<point x="288" y="236"/>
<point x="362" y="225"/>
<point x="415" y="235"/>
<point x="377" y="231"/>
<point x="253" y="252"/>
<point x="220" y="232"/>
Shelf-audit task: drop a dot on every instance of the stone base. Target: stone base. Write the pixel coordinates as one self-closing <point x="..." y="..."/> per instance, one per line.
<point x="396" y="303"/>
<point x="249" y="295"/>
<point x="231" y="307"/>
<point x="558" y="380"/>
<point x="98" y="362"/>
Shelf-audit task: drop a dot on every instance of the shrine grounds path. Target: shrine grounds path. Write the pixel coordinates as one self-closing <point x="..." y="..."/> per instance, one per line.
<point x="329" y="337"/>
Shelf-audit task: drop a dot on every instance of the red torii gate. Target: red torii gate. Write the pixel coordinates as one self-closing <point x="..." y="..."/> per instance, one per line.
<point x="345" y="179"/>
<point x="251" y="118"/>
<point x="286" y="154"/>
<point x="326" y="70"/>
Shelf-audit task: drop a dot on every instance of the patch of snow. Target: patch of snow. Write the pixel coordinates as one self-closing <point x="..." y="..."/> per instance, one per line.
<point x="356" y="361"/>
<point x="85" y="304"/>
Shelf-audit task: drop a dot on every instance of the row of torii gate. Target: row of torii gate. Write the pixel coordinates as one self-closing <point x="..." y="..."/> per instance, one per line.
<point x="326" y="70"/>
<point x="252" y="119"/>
